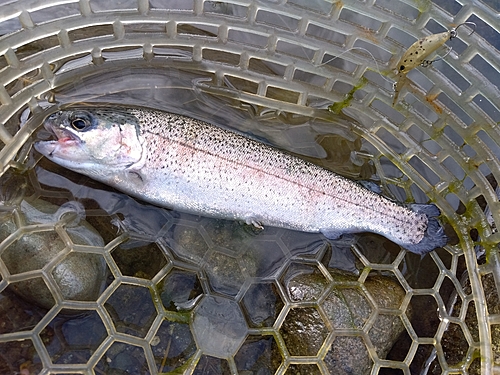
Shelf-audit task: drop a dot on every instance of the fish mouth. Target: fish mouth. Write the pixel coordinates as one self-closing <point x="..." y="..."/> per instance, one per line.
<point x="62" y="135"/>
<point x="65" y="142"/>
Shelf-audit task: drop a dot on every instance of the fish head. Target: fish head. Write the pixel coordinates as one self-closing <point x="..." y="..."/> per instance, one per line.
<point x="93" y="140"/>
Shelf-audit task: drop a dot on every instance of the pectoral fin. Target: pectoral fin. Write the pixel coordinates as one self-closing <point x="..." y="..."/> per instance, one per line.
<point x="254" y="222"/>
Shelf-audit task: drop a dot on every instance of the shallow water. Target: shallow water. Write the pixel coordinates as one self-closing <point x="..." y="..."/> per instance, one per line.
<point x="217" y="262"/>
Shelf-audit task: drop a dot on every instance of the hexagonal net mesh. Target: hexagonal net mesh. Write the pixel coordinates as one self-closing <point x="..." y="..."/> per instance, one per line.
<point x="309" y="75"/>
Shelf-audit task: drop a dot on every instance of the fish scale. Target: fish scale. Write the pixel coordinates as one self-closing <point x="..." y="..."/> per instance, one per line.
<point x="257" y="157"/>
<point x="193" y="166"/>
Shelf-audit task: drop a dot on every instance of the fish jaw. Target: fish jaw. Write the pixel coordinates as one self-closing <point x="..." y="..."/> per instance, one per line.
<point x="67" y="150"/>
<point x="102" y="148"/>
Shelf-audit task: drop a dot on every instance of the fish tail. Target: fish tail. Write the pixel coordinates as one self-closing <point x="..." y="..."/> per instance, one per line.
<point x="434" y="236"/>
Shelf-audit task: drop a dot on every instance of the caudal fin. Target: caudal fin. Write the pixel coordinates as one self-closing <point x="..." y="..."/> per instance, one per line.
<point x="434" y="234"/>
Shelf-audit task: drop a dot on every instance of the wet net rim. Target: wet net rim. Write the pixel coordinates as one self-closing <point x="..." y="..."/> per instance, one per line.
<point x="442" y="17"/>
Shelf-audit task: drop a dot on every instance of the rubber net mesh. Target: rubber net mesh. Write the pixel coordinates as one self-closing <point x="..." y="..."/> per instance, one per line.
<point x="280" y="62"/>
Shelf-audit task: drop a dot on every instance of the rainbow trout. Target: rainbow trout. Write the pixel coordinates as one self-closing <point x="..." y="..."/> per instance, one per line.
<point x="192" y="166"/>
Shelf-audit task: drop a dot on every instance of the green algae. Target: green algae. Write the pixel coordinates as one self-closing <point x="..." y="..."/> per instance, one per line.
<point x="337" y="107"/>
<point x="183" y="369"/>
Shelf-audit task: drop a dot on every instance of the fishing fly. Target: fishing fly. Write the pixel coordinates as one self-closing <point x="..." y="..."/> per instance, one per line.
<point x="419" y="51"/>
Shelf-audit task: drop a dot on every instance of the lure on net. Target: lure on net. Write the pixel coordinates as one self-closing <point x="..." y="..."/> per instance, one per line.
<point x="419" y="51"/>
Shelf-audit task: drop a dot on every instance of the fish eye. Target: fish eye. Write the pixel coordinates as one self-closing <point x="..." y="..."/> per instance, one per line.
<point x="80" y="120"/>
<point x="80" y="123"/>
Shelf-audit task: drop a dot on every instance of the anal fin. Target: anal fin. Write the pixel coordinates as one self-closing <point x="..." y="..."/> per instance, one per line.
<point x="331" y="234"/>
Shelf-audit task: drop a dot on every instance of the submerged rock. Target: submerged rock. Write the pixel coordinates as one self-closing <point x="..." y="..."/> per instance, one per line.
<point x="39" y="250"/>
<point x="349" y="308"/>
<point x="456" y="351"/>
<point x="219" y="326"/>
